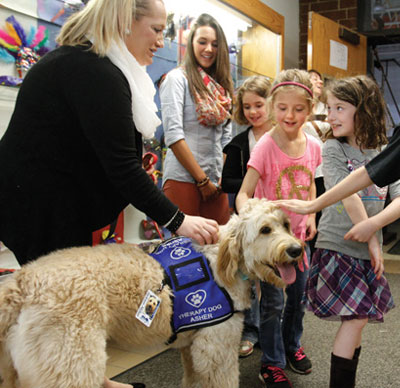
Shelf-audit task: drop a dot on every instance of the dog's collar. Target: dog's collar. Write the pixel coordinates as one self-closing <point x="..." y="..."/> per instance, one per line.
<point x="162" y="284"/>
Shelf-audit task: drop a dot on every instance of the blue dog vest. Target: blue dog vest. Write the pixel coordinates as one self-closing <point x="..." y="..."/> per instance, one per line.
<point x="198" y="300"/>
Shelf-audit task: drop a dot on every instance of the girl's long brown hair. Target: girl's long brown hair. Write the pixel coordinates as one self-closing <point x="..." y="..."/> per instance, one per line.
<point x="220" y="70"/>
<point x="370" y="116"/>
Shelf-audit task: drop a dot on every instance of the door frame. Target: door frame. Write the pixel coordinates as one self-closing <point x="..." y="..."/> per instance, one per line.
<point x="264" y="15"/>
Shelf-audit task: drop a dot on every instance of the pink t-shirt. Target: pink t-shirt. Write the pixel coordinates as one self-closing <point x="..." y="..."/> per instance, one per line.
<point x="284" y="177"/>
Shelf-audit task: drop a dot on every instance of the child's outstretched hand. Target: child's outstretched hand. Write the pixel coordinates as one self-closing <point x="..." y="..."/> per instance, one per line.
<point x="311" y="229"/>
<point x="375" y="252"/>
<point x="296" y="205"/>
<point x="362" y="231"/>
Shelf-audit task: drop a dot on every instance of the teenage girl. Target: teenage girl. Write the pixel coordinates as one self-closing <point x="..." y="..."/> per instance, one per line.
<point x="282" y="165"/>
<point x="346" y="279"/>
<point x="250" y="108"/>
<point x="196" y="107"/>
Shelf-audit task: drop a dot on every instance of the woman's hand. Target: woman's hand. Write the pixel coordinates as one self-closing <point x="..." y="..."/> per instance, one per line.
<point x="375" y="253"/>
<point x="297" y="205"/>
<point x="209" y="191"/>
<point x="202" y="230"/>
<point x="362" y="231"/>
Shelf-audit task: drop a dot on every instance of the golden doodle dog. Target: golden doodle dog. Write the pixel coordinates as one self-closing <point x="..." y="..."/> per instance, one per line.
<point x="57" y="313"/>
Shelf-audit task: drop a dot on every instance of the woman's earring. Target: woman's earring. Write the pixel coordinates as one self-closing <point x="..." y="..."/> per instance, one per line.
<point x="128" y="31"/>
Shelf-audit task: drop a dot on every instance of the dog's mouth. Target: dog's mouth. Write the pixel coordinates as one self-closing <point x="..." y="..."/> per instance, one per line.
<point x="285" y="271"/>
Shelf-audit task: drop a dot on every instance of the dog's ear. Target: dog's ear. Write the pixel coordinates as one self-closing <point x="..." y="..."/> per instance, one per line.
<point x="229" y="253"/>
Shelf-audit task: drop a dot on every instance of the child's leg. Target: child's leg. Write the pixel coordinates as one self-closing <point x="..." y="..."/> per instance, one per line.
<point x="251" y="324"/>
<point x="292" y="323"/>
<point x="348" y="337"/>
<point x="271" y="343"/>
<point x="346" y="349"/>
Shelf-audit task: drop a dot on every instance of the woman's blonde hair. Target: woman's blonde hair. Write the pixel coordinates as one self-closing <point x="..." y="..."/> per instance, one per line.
<point x="301" y="77"/>
<point x="257" y="84"/>
<point x="370" y="115"/>
<point x="103" y="21"/>
<point x="220" y="70"/>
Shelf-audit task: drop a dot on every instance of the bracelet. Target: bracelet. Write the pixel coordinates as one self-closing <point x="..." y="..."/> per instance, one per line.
<point x="176" y="222"/>
<point x="203" y="182"/>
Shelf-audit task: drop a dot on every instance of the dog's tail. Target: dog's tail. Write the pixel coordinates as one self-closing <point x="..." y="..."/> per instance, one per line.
<point x="10" y="304"/>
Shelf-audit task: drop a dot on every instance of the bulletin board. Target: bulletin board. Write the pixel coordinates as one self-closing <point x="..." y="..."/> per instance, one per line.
<point x="331" y="55"/>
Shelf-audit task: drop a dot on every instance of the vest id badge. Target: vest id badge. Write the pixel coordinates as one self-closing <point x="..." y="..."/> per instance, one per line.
<point x="148" y="308"/>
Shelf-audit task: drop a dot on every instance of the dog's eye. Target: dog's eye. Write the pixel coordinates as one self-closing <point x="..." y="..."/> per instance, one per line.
<point x="265" y="230"/>
<point x="287" y="225"/>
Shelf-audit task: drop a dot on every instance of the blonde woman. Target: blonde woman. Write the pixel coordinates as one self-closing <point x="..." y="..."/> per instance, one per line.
<point x="75" y="139"/>
<point x="71" y="156"/>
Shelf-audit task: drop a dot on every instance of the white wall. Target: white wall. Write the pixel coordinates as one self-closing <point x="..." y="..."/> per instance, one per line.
<point x="290" y="10"/>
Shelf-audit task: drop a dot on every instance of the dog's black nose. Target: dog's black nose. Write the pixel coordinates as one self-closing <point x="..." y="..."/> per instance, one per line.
<point x="294" y="251"/>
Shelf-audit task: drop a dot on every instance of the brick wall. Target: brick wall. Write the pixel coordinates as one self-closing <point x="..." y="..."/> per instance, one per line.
<point x="341" y="11"/>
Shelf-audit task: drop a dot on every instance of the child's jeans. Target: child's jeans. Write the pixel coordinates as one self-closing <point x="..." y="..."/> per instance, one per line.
<point x="252" y="319"/>
<point x="281" y="325"/>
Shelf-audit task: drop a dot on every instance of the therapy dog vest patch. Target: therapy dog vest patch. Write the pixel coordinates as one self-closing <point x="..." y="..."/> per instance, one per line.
<point x="198" y="300"/>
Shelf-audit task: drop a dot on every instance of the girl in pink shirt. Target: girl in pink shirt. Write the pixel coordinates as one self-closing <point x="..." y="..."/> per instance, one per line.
<point x="282" y="166"/>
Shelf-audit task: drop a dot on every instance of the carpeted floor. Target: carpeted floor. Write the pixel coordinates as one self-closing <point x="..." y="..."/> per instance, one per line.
<point x="379" y="361"/>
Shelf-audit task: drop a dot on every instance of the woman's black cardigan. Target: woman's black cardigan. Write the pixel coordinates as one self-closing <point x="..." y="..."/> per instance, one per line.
<point x="71" y="158"/>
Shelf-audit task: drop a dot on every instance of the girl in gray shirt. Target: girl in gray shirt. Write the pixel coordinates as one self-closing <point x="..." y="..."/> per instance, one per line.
<point x="346" y="280"/>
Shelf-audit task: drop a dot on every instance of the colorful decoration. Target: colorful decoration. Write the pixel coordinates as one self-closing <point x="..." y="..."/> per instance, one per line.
<point x="21" y="48"/>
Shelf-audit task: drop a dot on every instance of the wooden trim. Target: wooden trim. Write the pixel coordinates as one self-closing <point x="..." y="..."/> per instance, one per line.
<point x="259" y="12"/>
<point x="262" y="14"/>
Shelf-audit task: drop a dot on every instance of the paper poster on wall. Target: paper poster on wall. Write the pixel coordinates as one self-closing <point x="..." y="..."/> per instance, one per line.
<point x="54" y="11"/>
<point x="58" y="11"/>
<point x="338" y="55"/>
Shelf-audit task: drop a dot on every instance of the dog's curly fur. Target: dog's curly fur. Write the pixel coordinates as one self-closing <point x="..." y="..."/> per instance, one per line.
<point x="57" y="313"/>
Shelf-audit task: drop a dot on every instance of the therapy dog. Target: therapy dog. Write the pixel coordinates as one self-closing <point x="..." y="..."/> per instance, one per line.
<point x="57" y="312"/>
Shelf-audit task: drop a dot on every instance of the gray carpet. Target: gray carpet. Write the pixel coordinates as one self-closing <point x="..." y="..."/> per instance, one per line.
<point x="379" y="365"/>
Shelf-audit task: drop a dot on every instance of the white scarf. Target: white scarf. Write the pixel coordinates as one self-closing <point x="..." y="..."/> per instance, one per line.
<point x="143" y="106"/>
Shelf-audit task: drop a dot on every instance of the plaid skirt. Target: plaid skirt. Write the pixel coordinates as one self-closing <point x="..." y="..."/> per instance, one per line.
<point x="341" y="287"/>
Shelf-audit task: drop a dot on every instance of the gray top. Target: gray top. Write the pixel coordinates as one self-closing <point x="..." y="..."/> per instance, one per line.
<point x="338" y="160"/>
<point x="180" y="122"/>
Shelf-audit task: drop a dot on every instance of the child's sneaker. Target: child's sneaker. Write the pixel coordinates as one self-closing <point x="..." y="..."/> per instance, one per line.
<point x="274" y="377"/>
<point x="246" y="348"/>
<point x="299" y="362"/>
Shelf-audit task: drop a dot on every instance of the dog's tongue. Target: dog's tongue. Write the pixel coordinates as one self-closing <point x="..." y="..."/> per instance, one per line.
<point x="287" y="272"/>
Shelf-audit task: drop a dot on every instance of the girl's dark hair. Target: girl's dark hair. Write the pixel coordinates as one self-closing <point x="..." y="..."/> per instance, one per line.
<point x="257" y="84"/>
<point x="322" y="97"/>
<point x="220" y="70"/>
<point x="316" y="72"/>
<point x="370" y="116"/>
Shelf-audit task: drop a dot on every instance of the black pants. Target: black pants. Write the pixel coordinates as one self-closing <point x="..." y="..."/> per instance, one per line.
<point x="319" y="183"/>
